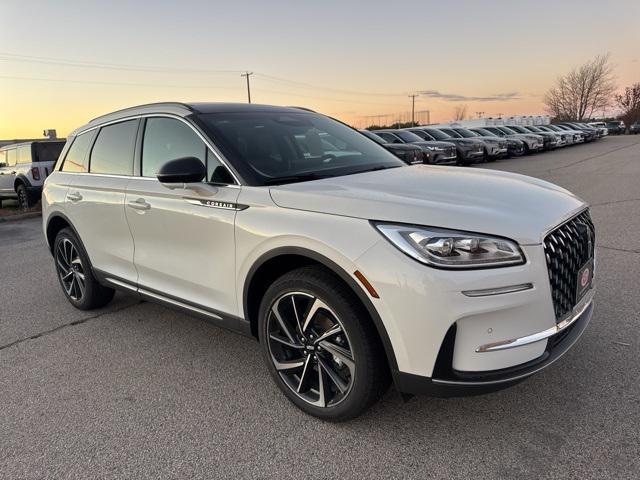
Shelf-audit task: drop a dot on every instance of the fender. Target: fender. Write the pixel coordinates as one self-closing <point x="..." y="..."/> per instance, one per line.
<point x="21" y="177"/>
<point x="66" y="219"/>
<point x="339" y="271"/>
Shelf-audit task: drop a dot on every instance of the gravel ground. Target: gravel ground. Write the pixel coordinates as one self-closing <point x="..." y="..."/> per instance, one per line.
<point x="138" y="391"/>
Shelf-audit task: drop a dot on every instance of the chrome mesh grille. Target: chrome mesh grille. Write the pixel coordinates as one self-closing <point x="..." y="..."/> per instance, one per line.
<point x="567" y="249"/>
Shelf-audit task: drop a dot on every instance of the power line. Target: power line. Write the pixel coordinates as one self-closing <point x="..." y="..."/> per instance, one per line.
<point x="113" y="66"/>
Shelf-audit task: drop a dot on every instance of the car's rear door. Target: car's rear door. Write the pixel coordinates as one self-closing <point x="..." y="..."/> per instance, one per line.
<point x="95" y="199"/>
<point x="183" y="234"/>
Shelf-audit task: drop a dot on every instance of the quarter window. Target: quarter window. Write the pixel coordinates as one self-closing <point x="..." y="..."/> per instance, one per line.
<point x="77" y="158"/>
<point x="24" y="154"/>
<point x="113" y="150"/>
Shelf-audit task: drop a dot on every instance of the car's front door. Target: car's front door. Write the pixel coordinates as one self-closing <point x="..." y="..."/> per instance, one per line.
<point x="183" y="233"/>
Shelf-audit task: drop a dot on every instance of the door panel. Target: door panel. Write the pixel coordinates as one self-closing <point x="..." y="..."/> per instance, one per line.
<point x="184" y="241"/>
<point x="95" y="205"/>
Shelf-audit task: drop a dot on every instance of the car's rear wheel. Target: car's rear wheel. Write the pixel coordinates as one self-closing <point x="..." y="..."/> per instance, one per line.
<point x="75" y="275"/>
<point x="320" y="346"/>
<point x="24" y="199"/>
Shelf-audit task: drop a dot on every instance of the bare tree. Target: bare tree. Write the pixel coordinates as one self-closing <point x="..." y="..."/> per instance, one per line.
<point x="460" y="113"/>
<point x="629" y="103"/>
<point x="583" y="91"/>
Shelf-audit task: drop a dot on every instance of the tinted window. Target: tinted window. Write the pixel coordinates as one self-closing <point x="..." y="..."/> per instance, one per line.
<point x="167" y="139"/>
<point x="76" y="159"/>
<point x="437" y="134"/>
<point x="451" y="132"/>
<point x="409" y="137"/>
<point x="112" y="152"/>
<point x="281" y="147"/>
<point x="47" y="151"/>
<point x="423" y="135"/>
<point x="389" y="137"/>
<point x="11" y="157"/>
<point x="506" y="130"/>
<point x="373" y="137"/>
<point x="466" y="133"/>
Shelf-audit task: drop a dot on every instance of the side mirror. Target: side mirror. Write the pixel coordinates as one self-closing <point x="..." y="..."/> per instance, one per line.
<point x="182" y="170"/>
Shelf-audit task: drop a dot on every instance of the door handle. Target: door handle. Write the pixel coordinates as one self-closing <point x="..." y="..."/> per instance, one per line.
<point x="74" y="197"/>
<point x="139" y="204"/>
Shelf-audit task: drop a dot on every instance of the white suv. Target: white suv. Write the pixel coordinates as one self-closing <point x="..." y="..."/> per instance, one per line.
<point x="350" y="267"/>
<point x="23" y="168"/>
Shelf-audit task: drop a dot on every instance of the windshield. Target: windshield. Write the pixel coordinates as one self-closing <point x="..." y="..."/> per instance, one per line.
<point x="451" y="132"/>
<point x="373" y="137"/>
<point x="437" y="134"/>
<point x="270" y="148"/>
<point x="466" y="133"/>
<point x="506" y="130"/>
<point x="408" y="136"/>
<point x="47" y="151"/>
<point x="553" y="127"/>
<point x="423" y="135"/>
<point x="518" y="129"/>
<point x="484" y="133"/>
<point x="533" y="129"/>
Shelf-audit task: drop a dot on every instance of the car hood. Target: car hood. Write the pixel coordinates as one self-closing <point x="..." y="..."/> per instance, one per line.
<point x="485" y="201"/>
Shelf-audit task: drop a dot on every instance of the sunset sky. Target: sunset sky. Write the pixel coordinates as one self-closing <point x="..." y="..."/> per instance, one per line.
<point x="62" y="63"/>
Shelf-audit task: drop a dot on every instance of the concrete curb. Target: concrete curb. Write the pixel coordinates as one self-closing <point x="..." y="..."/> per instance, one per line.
<point x="21" y="216"/>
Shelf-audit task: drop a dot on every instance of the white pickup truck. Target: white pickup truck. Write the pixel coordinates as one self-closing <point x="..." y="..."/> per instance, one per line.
<point x="23" y="168"/>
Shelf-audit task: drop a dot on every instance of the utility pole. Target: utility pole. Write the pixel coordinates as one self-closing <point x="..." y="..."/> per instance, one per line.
<point x="413" y="109"/>
<point x="428" y="117"/>
<point x="247" y="74"/>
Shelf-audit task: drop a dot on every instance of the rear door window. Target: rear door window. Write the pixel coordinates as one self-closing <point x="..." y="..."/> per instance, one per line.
<point x="113" y="150"/>
<point x="77" y="158"/>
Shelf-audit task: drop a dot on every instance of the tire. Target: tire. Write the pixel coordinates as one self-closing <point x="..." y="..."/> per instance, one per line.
<point x="25" y="200"/>
<point x="350" y="362"/>
<point x="76" y="275"/>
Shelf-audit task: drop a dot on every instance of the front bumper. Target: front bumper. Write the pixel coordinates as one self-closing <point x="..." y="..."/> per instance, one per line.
<point x="451" y="384"/>
<point x="448" y="338"/>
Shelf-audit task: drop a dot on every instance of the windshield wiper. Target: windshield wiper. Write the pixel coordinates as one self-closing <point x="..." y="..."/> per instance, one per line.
<point x="375" y="169"/>
<point x="294" y="178"/>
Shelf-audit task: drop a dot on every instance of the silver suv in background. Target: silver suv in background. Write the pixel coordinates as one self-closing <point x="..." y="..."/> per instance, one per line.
<point x="23" y="168"/>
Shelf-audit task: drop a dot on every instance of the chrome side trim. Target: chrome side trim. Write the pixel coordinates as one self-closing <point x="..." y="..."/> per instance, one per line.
<point x="177" y="303"/>
<point x="536" y="337"/>
<point x="498" y="291"/>
<point x="122" y="284"/>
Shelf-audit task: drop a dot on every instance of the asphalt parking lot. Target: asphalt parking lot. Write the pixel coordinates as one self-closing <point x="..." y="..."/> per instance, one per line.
<point x="138" y="391"/>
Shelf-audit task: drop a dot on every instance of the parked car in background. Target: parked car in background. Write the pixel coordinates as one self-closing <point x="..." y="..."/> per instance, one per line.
<point x="591" y="133"/>
<point x="549" y="140"/>
<point x="515" y="146"/>
<point x="615" y="127"/>
<point x="600" y="126"/>
<point x="561" y="140"/>
<point x="437" y="153"/>
<point x="469" y="151"/>
<point x="495" y="147"/>
<point x="532" y="142"/>
<point x="577" y="135"/>
<point x="635" y="127"/>
<point x="351" y="271"/>
<point x="24" y="167"/>
<point x="410" y="154"/>
<point x="567" y="138"/>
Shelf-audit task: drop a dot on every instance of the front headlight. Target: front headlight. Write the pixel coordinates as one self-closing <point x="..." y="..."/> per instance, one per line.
<point x="452" y="249"/>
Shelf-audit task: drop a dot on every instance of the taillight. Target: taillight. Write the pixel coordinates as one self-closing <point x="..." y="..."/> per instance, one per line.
<point x="35" y="173"/>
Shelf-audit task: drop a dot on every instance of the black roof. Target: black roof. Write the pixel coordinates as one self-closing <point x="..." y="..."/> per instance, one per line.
<point x="184" y="109"/>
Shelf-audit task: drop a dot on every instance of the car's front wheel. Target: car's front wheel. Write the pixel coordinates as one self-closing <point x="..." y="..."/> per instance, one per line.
<point x="319" y="345"/>
<point x="75" y="274"/>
